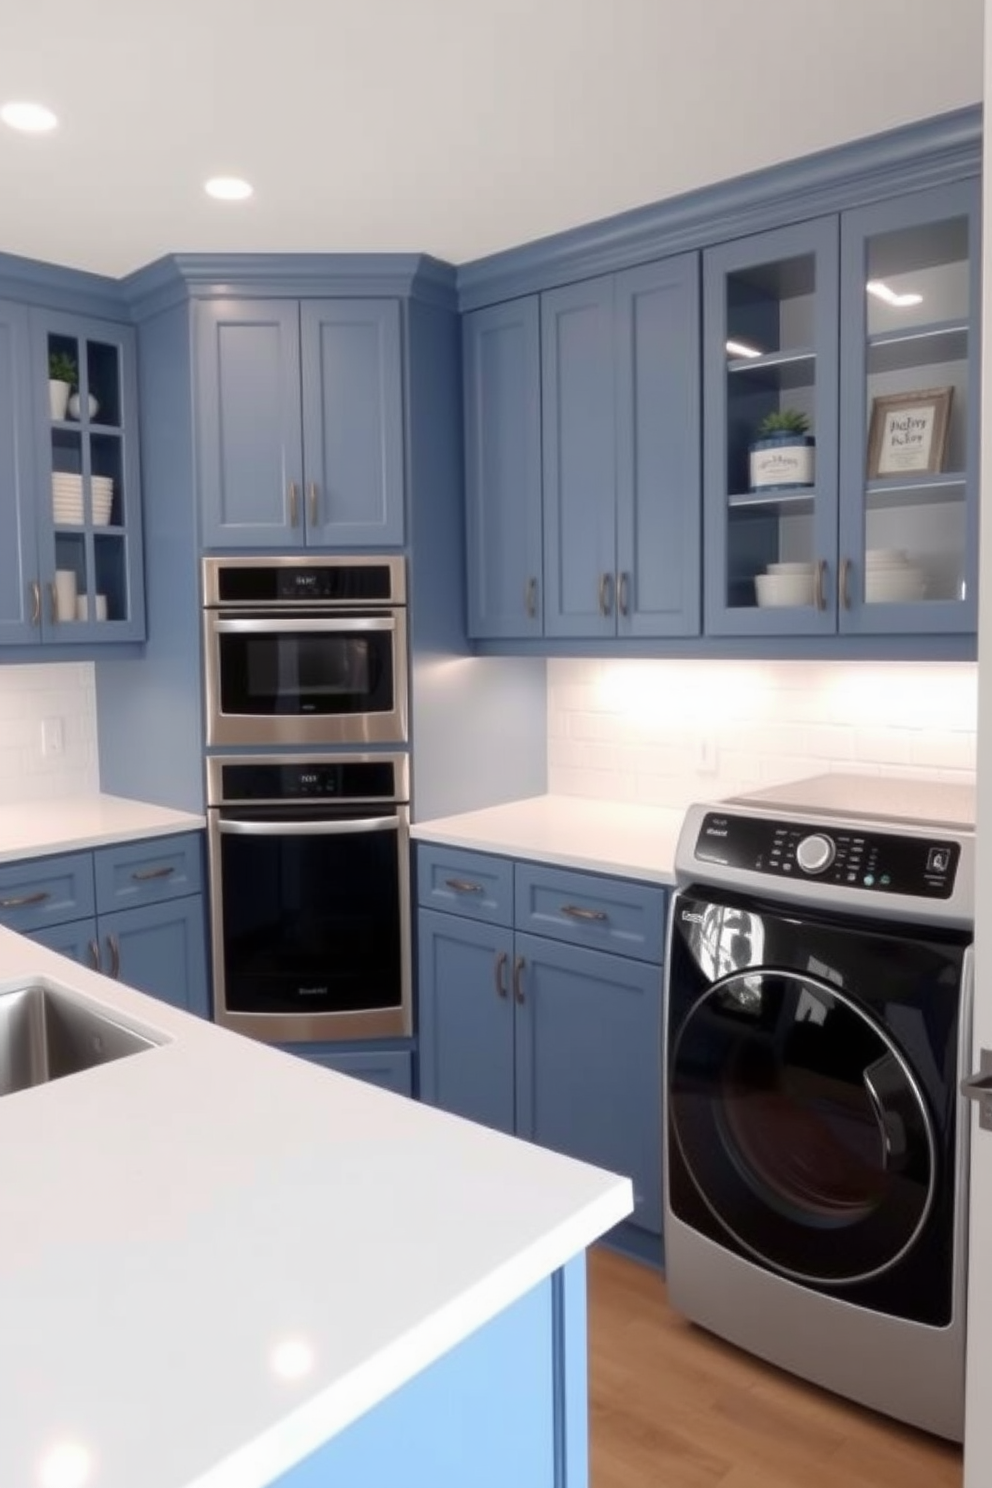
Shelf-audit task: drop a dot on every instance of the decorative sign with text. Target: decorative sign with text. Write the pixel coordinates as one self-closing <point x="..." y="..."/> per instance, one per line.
<point x="908" y="433"/>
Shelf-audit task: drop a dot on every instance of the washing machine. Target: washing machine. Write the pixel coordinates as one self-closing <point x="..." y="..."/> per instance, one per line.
<point x="818" y="993"/>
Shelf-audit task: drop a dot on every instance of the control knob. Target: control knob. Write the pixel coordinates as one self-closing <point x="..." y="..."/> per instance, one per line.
<point x="815" y="853"/>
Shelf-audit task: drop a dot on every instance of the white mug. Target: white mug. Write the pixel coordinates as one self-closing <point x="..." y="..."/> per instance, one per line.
<point x="65" y="594"/>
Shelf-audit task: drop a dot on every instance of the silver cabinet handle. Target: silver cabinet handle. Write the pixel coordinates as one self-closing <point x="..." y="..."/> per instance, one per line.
<point x="530" y="598"/>
<point x="623" y="594"/>
<point x="518" y="978"/>
<point x="312" y="502"/>
<point x="143" y="875"/>
<point x="95" y="955"/>
<point x="820" y="595"/>
<point x="25" y="899"/>
<point x="352" y="827"/>
<point x="606" y="594"/>
<point x="293" y="495"/>
<point x="463" y="886"/>
<point x="54" y="602"/>
<point x="499" y="971"/>
<point x="114" y="946"/>
<point x="845" y="583"/>
<point x="35" y="602"/>
<point x="577" y="913"/>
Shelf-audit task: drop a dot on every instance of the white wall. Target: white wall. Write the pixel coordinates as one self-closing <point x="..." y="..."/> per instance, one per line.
<point x="29" y="695"/>
<point x="669" y="732"/>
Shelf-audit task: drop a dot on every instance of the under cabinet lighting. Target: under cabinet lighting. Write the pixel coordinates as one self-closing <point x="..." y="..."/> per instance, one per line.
<point x="882" y="291"/>
<point x="741" y="349"/>
<point x="29" y="118"/>
<point x="228" y="188"/>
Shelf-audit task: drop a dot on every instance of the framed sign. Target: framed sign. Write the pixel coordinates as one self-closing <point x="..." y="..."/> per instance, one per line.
<point x="908" y="433"/>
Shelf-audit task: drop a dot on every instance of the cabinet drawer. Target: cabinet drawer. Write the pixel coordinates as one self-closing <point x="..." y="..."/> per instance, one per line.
<point x="47" y="891"/>
<point x="608" y="914"/>
<point x="157" y="868"/>
<point x="465" y="883"/>
<point x="390" y="1069"/>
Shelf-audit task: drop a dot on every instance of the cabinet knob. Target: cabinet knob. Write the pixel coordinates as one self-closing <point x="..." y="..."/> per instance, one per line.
<point x="606" y="594"/>
<point x="499" y="972"/>
<point x="518" y="978"/>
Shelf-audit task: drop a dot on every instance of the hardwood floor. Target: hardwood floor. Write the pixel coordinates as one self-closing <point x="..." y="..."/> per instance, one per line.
<point x="673" y="1407"/>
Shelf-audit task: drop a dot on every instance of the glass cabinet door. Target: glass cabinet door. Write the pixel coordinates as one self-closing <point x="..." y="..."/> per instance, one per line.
<point x="909" y="413"/>
<point x="770" y="477"/>
<point x="90" y="565"/>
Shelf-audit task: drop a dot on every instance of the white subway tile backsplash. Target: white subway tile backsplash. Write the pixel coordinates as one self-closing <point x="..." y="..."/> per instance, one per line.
<point x="30" y="694"/>
<point x="642" y="730"/>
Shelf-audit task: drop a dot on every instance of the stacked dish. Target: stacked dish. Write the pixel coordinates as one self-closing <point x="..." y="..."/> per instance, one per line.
<point x="890" y="577"/>
<point x="67" y="498"/>
<point x="785" y="584"/>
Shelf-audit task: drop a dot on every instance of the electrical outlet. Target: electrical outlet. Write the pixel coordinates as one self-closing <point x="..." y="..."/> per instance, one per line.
<point x="52" y="737"/>
<point x="706" y="755"/>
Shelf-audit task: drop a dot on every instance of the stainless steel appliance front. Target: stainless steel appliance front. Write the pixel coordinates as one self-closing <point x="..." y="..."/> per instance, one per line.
<point x="310" y="895"/>
<point x="305" y="650"/>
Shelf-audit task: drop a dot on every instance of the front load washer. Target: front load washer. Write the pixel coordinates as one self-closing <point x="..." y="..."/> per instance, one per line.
<point x="818" y="991"/>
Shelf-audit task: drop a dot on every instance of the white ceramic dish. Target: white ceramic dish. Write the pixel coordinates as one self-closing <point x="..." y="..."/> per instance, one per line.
<point x="783" y="589"/>
<point x="886" y="558"/>
<point x="789" y="568"/>
<point x="894" y="584"/>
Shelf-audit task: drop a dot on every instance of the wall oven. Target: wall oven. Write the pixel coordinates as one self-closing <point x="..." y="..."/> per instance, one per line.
<point x="302" y="651"/>
<point x="310" y="902"/>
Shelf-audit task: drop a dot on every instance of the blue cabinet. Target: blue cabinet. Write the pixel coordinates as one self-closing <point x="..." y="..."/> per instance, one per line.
<point x="19" y="592"/>
<point x="390" y="1069"/>
<point x="502" y="417"/>
<point x="132" y="910"/>
<point x="554" y="1036"/>
<point x="300" y="423"/>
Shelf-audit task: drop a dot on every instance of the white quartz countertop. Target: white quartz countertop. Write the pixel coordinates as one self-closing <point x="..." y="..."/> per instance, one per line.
<point x="32" y="829"/>
<point x="602" y="836"/>
<point x="170" y="1221"/>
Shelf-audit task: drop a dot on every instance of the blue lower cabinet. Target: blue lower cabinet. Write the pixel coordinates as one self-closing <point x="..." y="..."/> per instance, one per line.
<point x="161" y="949"/>
<point x="76" y="940"/>
<point x="390" y="1069"/>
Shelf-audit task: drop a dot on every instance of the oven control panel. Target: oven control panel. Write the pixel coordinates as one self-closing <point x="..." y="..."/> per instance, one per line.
<point x="880" y="862"/>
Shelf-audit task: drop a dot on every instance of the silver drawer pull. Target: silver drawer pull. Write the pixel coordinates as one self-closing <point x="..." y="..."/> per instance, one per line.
<point x="25" y="899"/>
<point x="144" y="874"/>
<point x="499" y="972"/>
<point x="463" y="886"/>
<point x="577" y="913"/>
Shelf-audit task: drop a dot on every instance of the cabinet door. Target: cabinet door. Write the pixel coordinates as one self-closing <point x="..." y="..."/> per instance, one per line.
<point x="352" y="370"/>
<point x="659" y="495"/>
<point x="161" y="949"/>
<point x="770" y="317"/>
<point x="20" y="599"/>
<point x="502" y="403"/>
<point x="249" y="430"/>
<point x="579" y="453"/>
<point x="466" y="1018"/>
<point x="588" y="1061"/>
<point x="77" y="940"/>
<point x="910" y="403"/>
<point x="89" y="502"/>
<point x="390" y="1069"/>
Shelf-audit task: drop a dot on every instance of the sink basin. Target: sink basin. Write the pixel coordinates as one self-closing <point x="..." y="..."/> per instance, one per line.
<point x="46" y="1034"/>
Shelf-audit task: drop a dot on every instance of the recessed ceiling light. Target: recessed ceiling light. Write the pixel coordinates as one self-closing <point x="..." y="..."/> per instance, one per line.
<point x="228" y="188"/>
<point x="30" y="118"/>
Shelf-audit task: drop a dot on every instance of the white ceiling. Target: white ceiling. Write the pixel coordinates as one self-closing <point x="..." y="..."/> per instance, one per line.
<point x="457" y="127"/>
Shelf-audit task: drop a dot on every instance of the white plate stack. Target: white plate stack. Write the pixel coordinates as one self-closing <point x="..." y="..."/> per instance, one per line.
<point x="785" y="584"/>
<point x="67" y="499"/>
<point x="890" y="577"/>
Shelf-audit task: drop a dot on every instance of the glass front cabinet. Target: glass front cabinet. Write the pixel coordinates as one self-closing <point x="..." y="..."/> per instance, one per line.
<point x="841" y="459"/>
<point x="89" y="586"/>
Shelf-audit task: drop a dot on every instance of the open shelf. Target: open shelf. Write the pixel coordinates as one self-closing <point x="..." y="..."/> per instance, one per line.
<point x="785" y="496"/>
<point x="919" y="346"/>
<point x="910" y="490"/>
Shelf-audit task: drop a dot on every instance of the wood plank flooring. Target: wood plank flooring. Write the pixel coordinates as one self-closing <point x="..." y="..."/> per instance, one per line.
<point x="673" y="1407"/>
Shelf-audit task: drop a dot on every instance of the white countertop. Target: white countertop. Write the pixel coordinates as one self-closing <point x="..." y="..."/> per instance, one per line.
<point x="167" y="1221"/>
<point x="32" y="829"/>
<point x="602" y="836"/>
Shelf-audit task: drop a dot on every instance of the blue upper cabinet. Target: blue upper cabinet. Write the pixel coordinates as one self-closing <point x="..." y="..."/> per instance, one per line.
<point x="20" y="593"/>
<point x="502" y="414"/>
<point x="300" y="434"/>
<point x="621" y="421"/>
<point x="770" y="316"/>
<point x="910" y="304"/>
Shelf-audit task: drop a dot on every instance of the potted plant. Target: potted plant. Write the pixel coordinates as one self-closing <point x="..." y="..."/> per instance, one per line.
<point x="62" y="373"/>
<point x="783" y="452"/>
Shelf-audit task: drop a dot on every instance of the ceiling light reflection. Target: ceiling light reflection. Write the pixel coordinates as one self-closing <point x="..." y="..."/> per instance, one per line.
<point x="292" y="1358"/>
<point x="883" y="291"/>
<point x="742" y="349"/>
<point x="66" y="1465"/>
<point x="228" y="188"/>
<point x="29" y="118"/>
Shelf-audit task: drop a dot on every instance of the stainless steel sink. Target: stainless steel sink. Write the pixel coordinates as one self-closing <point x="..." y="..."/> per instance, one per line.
<point x="47" y="1034"/>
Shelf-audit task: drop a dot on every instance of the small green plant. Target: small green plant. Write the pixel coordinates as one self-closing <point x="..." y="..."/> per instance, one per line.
<point x="62" y="367"/>
<point x="783" y="421"/>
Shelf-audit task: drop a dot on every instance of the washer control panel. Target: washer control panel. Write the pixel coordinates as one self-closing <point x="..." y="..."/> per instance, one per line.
<point x="881" y="862"/>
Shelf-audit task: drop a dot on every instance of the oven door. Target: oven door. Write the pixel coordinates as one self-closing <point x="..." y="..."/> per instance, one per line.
<point x="305" y="678"/>
<point x="311" y="921"/>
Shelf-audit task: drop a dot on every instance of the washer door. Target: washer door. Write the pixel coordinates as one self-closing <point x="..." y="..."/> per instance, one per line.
<point x="801" y="1126"/>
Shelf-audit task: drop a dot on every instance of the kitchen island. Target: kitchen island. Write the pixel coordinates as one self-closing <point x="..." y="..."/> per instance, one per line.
<point x="225" y="1268"/>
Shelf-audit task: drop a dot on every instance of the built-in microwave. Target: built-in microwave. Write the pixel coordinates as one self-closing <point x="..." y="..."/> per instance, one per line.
<point x="305" y="651"/>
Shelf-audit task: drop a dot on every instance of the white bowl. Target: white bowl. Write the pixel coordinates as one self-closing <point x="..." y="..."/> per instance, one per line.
<point x="894" y="584"/>
<point x="886" y="558"/>
<point x="784" y="589"/>
<point x="789" y="568"/>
